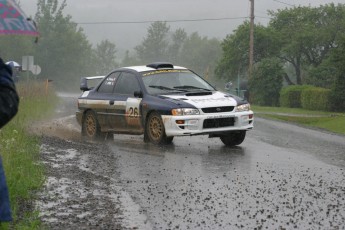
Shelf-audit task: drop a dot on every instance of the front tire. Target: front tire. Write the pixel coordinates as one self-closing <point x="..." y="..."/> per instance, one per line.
<point x="233" y="138"/>
<point x="91" y="129"/>
<point x="155" y="131"/>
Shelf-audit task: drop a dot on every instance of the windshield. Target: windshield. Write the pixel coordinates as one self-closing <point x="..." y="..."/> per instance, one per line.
<point x="173" y="81"/>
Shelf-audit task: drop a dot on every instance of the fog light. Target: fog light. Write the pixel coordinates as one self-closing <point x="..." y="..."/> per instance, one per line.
<point x="180" y="122"/>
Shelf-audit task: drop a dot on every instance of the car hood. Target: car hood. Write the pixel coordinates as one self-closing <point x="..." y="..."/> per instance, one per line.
<point x="216" y="99"/>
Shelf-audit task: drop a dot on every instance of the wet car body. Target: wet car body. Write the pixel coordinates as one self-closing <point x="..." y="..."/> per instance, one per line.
<point x="161" y="101"/>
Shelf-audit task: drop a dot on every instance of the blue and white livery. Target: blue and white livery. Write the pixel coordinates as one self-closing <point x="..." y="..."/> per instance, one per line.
<point x="161" y="101"/>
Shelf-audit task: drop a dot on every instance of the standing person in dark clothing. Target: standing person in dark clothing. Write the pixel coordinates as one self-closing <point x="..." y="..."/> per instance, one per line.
<point x="9" y="101"/>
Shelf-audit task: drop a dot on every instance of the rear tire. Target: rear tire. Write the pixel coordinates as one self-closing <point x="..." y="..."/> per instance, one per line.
<point x="91" y="129"/>
<point x="155" y="131"/>
<point x="233" y="138"/>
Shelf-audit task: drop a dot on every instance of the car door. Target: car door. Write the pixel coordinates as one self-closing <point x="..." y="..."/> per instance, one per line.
<point x="126" y="108"/>
<point x="101" y="100"/>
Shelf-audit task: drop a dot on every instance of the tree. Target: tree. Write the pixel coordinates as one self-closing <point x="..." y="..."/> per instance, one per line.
<point x="178" y="39"/>
<point x="266" y="82"/>
<point x="63" y="52"/>
<point x="200" y="54"/>
<point x="129" y="60"/>
<point x="337" y="95"/>
<point x="105" y="57"/>
<point x="235" y="59"/>
<point x="13" y="47"/>
<point x="307" y="35"/>
<point x="155" y="46"/>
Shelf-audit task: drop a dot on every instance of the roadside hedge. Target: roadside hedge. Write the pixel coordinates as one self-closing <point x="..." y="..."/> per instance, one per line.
<point x="290" y="96"/>
<point x="315" y="98"/>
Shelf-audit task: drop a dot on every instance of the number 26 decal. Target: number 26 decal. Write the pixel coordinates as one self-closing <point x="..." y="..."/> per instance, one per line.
<point x="133" y="112"/>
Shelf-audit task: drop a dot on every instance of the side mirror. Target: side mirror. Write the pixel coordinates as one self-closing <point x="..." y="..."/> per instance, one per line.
<point x="138" y="94"/>
<point x="83" y="84"/>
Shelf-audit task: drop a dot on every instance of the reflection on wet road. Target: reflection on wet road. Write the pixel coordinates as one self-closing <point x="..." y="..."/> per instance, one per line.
<point x="270" y="181"/>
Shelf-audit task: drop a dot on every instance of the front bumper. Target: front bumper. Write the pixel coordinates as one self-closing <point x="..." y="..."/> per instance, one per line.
<point x="207" y="123"/>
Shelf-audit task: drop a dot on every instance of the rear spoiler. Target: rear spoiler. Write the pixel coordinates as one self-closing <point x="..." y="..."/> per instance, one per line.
<point x="84" y="82"/>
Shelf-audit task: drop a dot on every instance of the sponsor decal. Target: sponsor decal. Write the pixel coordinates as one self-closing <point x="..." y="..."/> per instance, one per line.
<point x="218" y="99"/>
<point x="203" y="100"/>
<point x="166" y="71"/>
<point x="110" y="81"/>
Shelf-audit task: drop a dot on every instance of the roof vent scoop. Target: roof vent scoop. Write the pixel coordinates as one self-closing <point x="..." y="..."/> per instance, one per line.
<point x="161" y="65"/>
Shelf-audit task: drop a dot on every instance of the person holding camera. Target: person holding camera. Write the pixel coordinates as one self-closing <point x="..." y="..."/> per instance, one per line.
<point x="9" y="102"/>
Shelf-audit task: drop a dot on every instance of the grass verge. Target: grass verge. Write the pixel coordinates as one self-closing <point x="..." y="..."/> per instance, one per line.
<point x="20" y="154"/>
<point x="333" y="122"/>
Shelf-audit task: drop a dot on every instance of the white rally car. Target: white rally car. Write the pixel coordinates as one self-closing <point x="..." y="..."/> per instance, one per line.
<point x="161" y="101"/>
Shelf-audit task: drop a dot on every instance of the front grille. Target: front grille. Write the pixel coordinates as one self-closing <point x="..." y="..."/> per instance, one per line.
<point x="218" y="109"/>
<point x="218" y="122"/>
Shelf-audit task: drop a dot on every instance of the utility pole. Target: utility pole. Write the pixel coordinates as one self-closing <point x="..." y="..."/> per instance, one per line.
<point x="251" y="40"/>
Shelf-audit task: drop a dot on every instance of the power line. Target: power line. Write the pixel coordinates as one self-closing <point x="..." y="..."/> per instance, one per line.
<point x="284" y="3"/>
<point x="151" y="21"/>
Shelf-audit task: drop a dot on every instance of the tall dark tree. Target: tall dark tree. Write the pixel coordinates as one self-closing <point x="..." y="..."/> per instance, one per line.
<point x="337" y="95"/>
<point x="129" y="60"/>
<point x="155" y="45"/>
<point x="235" y="59"/>
<point x="63" y="51"/>
<point x="200" y="54"/>
<point x="266" y="82"/>
<point x="177" y="41"/>
<point x="13" y="47"/>
<point x="105" y="57"/>
<point x="307" y="35"/>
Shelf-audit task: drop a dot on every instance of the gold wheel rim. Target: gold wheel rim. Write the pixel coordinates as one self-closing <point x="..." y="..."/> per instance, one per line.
<point x="90" y="125"/>
<point x="156" y="128"/>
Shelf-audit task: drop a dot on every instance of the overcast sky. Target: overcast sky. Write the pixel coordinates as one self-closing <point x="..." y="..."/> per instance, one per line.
<point x="128" y="35"/>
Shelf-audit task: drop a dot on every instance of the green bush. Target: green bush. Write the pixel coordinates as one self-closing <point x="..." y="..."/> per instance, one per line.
<point x="315" y="98"/>
<point x="290" y="96"/>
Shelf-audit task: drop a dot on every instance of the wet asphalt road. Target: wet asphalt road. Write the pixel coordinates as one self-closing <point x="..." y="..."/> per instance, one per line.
<point x="281" y="177"/>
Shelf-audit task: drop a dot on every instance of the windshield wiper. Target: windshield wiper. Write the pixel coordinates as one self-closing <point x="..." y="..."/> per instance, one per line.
<point x="165" y="88"/>
<point x="160" y="87"/>
<point x="190" y="87"/>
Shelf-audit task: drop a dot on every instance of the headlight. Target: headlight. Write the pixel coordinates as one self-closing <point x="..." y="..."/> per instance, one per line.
<point x="185" y="111"/>
<point x="242" y="108"/>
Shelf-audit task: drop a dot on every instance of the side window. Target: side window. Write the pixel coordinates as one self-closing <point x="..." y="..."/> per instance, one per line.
<point x="127" y="84"/>
<point x="108" y="84"/>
